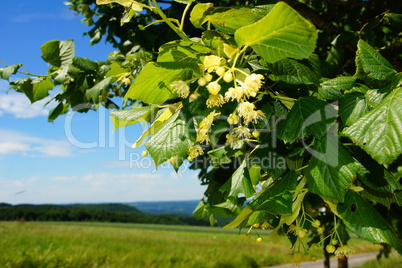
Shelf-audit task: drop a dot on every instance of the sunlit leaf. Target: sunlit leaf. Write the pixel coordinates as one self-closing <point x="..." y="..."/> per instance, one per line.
<point x="379" y="132"/>
<point x="57" y="52"/>
<point x="172" y="139"/>
<point x="131" y="116"/>
<point x="282" y="33"/>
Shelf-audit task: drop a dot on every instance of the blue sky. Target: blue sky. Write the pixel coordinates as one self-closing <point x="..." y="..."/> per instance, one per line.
<point x="78" y="158"/>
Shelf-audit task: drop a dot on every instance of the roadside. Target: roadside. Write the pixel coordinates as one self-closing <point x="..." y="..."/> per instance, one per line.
<point x="353" y="261"/>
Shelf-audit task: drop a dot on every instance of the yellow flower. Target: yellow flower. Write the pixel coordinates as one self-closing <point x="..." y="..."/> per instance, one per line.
<point x="247" y="111"/>
<point x="233" y="119"/>
<point x="194" y="151"/>
<point x="215" y="101"/>
<point x="204" y="127"/>
<point x="214" y="88"/>
<point x="241" y="132"/>
<point x="344" y="251"/>
<point x="251" y="84"/>
<point x="212" y="62"/>
<point x="194" y="97"/>
<point x="234" y="93"/>
<point x="181" y="88"/>
<point x="231" y="139"/>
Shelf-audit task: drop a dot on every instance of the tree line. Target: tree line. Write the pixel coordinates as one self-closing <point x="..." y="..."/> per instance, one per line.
<point x="91" y="213"/>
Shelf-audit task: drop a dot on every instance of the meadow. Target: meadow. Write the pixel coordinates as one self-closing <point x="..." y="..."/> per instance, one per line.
<point x="59" y="244"/>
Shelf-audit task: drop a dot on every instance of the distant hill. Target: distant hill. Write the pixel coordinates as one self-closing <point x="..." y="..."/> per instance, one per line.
<point x="183" y="208"/>
<point x="107" y="212"/>
<point x="115" y="207"/>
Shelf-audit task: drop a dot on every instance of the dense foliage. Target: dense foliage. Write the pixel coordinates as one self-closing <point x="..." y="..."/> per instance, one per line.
<point x="294" y="106"/>
<point x="89" y="212"/>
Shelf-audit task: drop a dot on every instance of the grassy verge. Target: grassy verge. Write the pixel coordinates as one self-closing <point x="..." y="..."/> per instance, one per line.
<point x="45" y="244"/>
<point x="394" y="260"/>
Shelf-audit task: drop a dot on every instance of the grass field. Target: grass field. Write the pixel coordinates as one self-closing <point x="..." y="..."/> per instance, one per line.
<point x="50" y="244"/>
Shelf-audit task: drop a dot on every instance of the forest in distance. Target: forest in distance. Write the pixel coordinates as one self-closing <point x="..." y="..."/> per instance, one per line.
<point x="106" y="212"/>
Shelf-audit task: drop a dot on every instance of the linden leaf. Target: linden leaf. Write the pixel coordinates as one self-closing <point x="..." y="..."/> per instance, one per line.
<point x="379" y="132"/>
<point x="280" y="34"/>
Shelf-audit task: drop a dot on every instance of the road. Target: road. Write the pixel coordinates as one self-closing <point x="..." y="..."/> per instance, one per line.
<point x="353" y="261"/>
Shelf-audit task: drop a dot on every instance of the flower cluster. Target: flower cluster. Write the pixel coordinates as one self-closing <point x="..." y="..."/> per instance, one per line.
<point x="224" y="84"/>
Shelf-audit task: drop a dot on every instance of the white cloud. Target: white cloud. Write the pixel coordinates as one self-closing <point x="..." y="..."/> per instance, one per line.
<point x="14" y="142"/>
<point x="19" y="105"/>
<point x="101" y="187"/>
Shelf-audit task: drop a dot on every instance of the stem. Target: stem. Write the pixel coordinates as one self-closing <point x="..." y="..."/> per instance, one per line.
<point x="237" y="56"/>
<point x="184" y="15"/>
<point x="159" y="11"/>
<point x="37" y="75"/>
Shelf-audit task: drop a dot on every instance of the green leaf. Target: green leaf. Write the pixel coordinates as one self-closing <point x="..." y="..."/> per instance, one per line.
<point x="331" y="168"/>
<point x="332" y="89"/>
<point x="37" y="90"/>
<point x="239" y="183"/>
<point x="214" y="39"/>
<point x="152" y="84"/>
<point x="9" y="70"/>
<point x="225" y="209"/>
<point x="172" y="139"/>
<point x="128" y="117"/>
<point x="222" y="155"/>
<point x="65" y="73"/>
<point x="162" y="116"/>
<point x="199" y="13"/>
<point x="116" y="70"/>
<point x="293" y="72"/>
<point x="225" y="19"/>
<point x="281" y="34"/>
<point x="184" y="52"/>
<point x="57" y="52"/>
<point x="379" y="132"/>
<point x="270" y="156"/>
<point x="244" y="214"/>
<point x="352" y="107"/>
<point x="370" y="64"/>
<point x="362" y="219"/>
<point x="276" y="199"/>
<point x="378" y="183"/>
<point x="309" y="116"/>
<point x="97" y="90"/>
<point x="200" y="211"/>
<point x="85" y="64"/>
<point x="56" y="111"/>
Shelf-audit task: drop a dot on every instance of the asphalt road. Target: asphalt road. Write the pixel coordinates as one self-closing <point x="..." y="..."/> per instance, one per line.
<point x="353" y="261"/>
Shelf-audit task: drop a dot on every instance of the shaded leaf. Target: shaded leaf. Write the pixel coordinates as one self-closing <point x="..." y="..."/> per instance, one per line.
<point x="239" y="183"/>
<point x="276" y="199"/>
<point x="362" y="219"/>
<point x="308" y="116"/>
<point x="97" y="90"/>
<point x="332" y="89"/>
<point x="9" y="70"/>
<point x="352" y="107"/>
<point x="293" y="72"/>
<point x="331" y="168"/>
<point x="37" y="90"/>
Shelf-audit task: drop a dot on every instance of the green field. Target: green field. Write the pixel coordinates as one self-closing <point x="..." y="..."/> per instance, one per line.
<point x="51" y="244"/>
